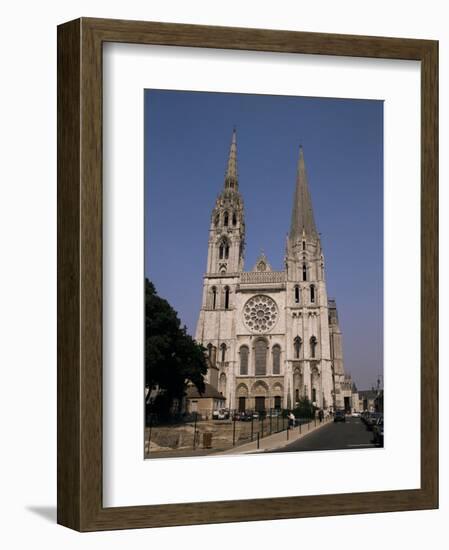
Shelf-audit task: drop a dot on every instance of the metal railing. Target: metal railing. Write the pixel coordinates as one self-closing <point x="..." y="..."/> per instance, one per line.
<point x="217" y="429"/>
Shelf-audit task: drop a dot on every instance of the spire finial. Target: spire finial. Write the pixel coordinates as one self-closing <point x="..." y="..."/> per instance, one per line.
<point x="231" y="178"/>
<point x="303" y="222"/>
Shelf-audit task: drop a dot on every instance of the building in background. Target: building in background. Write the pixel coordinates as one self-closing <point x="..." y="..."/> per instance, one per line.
<point x="274" y="336"/>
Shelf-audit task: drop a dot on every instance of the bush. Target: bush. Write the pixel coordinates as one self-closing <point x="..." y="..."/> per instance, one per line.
<point x="304" y="408"/>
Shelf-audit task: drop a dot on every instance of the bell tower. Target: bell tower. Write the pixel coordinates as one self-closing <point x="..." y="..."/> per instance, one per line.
<point x="225" y="256"/>
<point x="307" y="302"/>
<point x="227" y="226"/>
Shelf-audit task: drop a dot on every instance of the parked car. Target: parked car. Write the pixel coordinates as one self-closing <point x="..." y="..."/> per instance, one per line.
<point x="339" y="416"/>
<point x="364" y="416"/>
<point x="220" y="414"/>
<point x="378" y="432"/>
<point x="355" y="414"/>
<point x="372" y="419"/>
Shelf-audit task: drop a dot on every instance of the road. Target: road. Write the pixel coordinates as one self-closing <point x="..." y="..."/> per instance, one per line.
<point x="351" y="434"/>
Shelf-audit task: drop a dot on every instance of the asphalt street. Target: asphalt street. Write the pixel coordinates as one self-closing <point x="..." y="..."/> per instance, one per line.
<point x="351" y="434"/>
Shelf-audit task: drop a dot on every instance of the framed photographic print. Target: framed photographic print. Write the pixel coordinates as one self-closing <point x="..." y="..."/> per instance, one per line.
<point x="247" y="274"/>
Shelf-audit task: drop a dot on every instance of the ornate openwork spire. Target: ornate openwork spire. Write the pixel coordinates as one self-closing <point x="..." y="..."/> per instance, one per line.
<point x="303" y="222"/>
<point x="231" y="178"/>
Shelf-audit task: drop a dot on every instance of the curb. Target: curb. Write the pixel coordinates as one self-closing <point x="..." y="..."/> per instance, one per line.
<point x="272" y="442"/>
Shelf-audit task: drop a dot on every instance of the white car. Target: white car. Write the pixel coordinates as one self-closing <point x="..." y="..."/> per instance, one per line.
<point x="220" y="414"/>
<point x="355" y="414"/>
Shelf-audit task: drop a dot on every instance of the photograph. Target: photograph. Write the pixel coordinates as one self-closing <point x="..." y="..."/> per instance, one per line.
<point x="263" y="274"/>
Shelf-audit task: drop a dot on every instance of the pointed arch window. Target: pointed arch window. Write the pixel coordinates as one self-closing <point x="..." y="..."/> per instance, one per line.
<point x="304" y="272"/>
<point x="296" y="294"/>
<point x="226" y="297"/>
<point x="212" y="352"/>
<point x="234" y="219"/>
<point x="303" y="245"/>
<point x="313" y="395"/>
<point x="312" y="294"/>
<point x="217" y="220"/>
<point x="226" y="219"/>
<point x="224" y="250"/>
<point x="223" y="353"/>
<point x="244" y="353"/>
<point x="297" y="346"/>
<point x="260" y="352"/>
<point x="214" y="297"/>
<point x="313" y="345"/>
<point x="276" y="359"/>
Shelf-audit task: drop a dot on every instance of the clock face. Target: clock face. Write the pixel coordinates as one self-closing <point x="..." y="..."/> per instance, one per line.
<point x="260" y="313"/>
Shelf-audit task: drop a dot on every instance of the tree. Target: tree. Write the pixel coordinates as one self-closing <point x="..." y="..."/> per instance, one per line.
<point x="304" y="408"/>
<point x="172" y="357"/>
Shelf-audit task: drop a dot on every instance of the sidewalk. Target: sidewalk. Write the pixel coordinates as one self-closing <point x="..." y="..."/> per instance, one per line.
<point x="278" y="440"/>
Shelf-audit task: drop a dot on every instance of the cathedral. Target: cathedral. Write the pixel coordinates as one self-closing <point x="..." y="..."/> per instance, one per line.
<point x="272" y="337"/>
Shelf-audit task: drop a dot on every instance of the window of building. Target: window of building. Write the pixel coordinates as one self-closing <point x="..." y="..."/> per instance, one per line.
<point x="234" y="219"/>
<point x="226" y="297"/>
<point x="297" y="346"/>
<point x="217" y="219"/>
<point x="304" y="272"/>
<point x="212" y="351"/>
<point x="297" y="395"/>
<point x="303" y="245"/>
<point x="313" y="395"/>
<point x="260" y="351"/>
<point x="223" y="352"/>
<point x="297" y="294"/>
<point x="244" y="352"/>
<point x="224" y="250"/>
<point x="277" y="401"/>
<point x="226" y="219"/>
<point x="313" y="344"/>
<point x="214" y="297"/>
<point x="276" y="359"/>
<point x="312" y="294"/>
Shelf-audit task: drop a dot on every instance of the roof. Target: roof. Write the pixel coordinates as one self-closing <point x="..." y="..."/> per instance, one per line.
<point x="303" y="222"/>
<point x="231" y="178"/>
<point x="369" y="394"/>
<point x="210" y="391"/>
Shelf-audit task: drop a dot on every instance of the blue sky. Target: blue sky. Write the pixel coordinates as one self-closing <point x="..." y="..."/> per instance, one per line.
<point x="187" y="137"/>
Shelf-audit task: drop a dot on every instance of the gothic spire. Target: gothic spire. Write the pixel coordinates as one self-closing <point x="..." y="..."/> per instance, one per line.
<point x="302" y="223"/>
<point x="231" y="178"/>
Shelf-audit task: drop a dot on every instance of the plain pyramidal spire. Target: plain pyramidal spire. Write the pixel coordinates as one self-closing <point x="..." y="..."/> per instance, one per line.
<point x="303" y="222"/>
<point x="231" y="178"/>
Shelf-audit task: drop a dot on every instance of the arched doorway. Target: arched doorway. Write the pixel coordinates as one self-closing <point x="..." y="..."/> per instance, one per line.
<point x="242" y="397"/>
<point x="260" y="395"/>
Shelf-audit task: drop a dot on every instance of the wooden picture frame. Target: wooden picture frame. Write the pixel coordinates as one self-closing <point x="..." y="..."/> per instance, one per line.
<point x="80" y="503"/>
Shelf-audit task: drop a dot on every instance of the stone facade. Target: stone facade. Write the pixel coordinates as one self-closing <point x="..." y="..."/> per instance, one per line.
<point x="273" y="335"/>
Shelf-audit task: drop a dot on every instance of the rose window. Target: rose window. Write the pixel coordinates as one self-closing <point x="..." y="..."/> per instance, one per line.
<point x="260" y="313"/>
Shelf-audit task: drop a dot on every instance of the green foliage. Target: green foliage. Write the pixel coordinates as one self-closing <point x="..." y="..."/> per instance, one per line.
<point x="304" y="408"/>
<point x="172" y="357"/>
